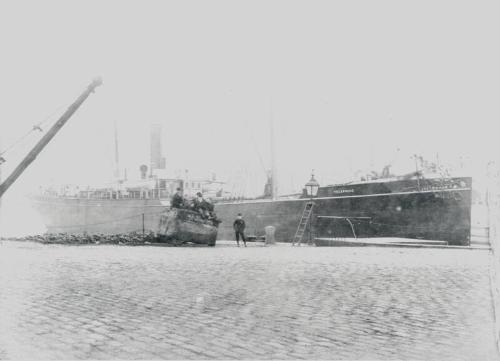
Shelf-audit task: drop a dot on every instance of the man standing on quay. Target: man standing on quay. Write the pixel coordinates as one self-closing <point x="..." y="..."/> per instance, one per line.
<point x="239" y="229"/>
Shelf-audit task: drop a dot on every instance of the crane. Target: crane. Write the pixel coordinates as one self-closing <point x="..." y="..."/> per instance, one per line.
<point x="31" y="156"/>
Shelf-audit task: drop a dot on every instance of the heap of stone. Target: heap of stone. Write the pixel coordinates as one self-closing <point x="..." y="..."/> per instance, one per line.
<point x="133" y="238"/>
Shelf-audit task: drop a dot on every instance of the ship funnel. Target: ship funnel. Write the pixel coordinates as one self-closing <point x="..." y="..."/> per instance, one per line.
<point x="157" y="161"/>
<point x="144" y="171"/>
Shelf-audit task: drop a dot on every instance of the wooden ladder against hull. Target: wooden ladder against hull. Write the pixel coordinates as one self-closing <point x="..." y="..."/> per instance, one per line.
<point x="304" y="220"/>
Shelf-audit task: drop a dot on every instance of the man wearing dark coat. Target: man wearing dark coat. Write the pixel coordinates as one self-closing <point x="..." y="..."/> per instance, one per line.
<point x="197" y="201"/>
<point x="177" y="200"/>
<point x="239" y="229"/>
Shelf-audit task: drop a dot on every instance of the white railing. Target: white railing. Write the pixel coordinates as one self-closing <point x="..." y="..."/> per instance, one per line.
<point x="108" y="194"/>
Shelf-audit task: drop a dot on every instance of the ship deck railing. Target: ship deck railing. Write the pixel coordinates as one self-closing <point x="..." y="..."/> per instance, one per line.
<point x="134" y="195"/>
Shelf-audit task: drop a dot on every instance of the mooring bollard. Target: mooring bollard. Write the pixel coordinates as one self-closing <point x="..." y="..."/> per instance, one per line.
<point x="270" y="234"/>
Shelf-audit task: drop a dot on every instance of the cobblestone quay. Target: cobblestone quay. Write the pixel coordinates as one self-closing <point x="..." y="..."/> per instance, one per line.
<point x="121" y="302"/>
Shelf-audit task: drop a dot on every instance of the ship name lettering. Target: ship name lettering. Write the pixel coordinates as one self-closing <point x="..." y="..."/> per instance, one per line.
<point x="437" y="188"/>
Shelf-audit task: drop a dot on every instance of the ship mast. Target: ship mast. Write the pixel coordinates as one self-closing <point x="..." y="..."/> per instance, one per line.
<point x="31" y="156"/>
<point x="417" y="173"/>
<point x="117" y="158"/>
<point x="274" y="172"/>
<point x="1" y="161"/>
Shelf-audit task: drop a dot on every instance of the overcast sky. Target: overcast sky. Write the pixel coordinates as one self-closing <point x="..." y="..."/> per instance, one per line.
<point x="346" y="83"/>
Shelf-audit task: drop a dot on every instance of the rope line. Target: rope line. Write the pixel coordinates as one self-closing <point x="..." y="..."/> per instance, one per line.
<point x="261" y="161"/>
<point x="36" y="127"/>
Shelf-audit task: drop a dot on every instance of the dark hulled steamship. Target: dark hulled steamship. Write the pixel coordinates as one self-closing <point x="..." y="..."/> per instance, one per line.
<point x="409" y="206"/>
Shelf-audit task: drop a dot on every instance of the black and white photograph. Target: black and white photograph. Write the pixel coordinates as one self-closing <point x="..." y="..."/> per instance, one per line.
<point x="249" y="180"/>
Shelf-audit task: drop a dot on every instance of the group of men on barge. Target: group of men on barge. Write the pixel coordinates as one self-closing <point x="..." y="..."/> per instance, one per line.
<point x="198" y="204"/>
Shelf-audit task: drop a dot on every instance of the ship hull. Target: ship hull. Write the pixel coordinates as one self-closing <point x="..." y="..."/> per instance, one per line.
<point x="378" y="210"/>
<point x="98" y="216"/>
<point x="433" y="215"/>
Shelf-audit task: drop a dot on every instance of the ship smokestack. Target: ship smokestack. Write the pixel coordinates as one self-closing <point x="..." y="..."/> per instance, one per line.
<point x="157" y="161"/>
<point x="144" y="171"/>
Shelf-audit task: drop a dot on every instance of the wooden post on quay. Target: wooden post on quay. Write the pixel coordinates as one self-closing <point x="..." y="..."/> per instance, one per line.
<point x="143" y="224"/>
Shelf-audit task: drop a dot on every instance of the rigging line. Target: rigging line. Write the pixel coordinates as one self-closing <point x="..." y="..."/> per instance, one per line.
<point x="254" y="143"/>
<point x="391" y="163"/>
<point x="261" y="161"/>
<point x="239" y="189"/>
<point x="36" y="126"/>
<point x="18" y="141"/>
<point x="244" y="181"/>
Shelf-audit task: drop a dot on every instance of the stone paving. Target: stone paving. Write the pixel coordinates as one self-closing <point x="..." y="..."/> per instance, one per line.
<point x="280" y="302"/>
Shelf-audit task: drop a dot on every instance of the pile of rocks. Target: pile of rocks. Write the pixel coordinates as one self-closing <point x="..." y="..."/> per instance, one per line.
<point x="134" y="238"/>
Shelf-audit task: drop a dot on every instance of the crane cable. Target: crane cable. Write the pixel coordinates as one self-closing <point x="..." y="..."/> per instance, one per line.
<point x="36" y="127"/>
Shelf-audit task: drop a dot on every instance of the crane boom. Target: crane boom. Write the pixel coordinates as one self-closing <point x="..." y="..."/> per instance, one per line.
<point x="30" y="157"/>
